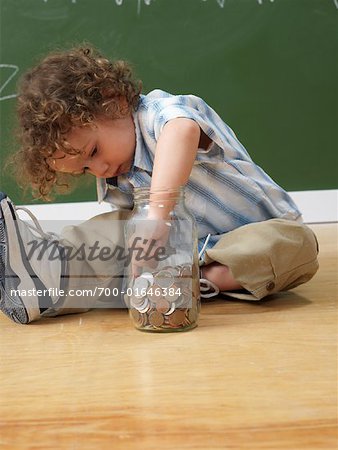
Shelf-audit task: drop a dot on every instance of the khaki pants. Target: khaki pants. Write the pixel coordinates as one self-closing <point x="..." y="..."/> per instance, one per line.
<point x="267" y="257"/>
<point x="264" y="257"/>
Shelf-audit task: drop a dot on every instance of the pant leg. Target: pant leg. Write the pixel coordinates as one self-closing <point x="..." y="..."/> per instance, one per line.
<point x="267" y="257"/>
<point x="94" y="266"/>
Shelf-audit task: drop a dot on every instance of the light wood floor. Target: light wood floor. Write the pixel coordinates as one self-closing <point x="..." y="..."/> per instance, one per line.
<point x="251" y="376"/>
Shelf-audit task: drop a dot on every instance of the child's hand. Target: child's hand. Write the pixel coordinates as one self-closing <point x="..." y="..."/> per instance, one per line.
<point x="148" y="244"/>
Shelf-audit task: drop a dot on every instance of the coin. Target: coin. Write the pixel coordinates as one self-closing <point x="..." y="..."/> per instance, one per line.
<point x="163" y="306"/>
<point x="136" y="302"/>
<point x="175" y="271"/>
<point x="177" y="317"/>
<point x="179" y="302"/>
<point x="144" y="306"/>
<point x="156" y="319"/>
<point x="166" y="298"/>
<point x="164" y="279"/>
<point x="144" y="320"/>
<point x="171" y="310"/>
<point x="148" y="276"/>
<point x="141" y="284"/>
<point x="173" y="293"/>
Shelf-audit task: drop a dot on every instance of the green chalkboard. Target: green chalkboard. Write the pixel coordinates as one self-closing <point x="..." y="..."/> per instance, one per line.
<point x="268" y="67"/>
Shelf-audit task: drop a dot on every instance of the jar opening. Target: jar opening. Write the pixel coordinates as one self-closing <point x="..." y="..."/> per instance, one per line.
<point x="158" y="195"/>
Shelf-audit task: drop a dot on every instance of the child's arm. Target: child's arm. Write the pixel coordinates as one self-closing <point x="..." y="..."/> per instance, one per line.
<point x="174" y="158"/>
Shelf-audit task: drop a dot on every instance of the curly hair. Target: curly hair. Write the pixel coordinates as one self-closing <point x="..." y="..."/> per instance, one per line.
<point x="66" y="89"/>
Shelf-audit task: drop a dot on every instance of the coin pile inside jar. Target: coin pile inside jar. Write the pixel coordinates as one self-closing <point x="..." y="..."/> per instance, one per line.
<point x="165" y="299"/>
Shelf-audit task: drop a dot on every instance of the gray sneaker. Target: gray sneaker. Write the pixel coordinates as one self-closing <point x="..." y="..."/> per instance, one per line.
<point x="29" y="280"/>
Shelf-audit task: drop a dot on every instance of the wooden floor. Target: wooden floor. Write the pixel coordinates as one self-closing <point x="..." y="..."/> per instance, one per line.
<point x="251" y="376"/>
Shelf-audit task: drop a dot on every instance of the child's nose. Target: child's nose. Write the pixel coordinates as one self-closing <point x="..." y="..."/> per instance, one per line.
<point x="98" y="168"/>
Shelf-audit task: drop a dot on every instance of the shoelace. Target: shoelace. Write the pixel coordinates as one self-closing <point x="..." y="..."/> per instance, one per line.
<point x="49" y="235"/>
<point x="201" y="253"/>
<point x="207" y="288"/>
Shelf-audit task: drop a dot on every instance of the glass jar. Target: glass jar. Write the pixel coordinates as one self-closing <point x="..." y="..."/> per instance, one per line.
<point x="161" y="286"/>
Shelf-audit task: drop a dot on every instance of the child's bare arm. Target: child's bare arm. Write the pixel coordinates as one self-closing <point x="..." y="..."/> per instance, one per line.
<point x="174" y="157"/>
<point x="175" y="154"/>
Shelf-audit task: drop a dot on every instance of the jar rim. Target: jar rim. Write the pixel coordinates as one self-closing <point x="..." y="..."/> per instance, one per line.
<point x="145" y="194"/>
<point x="146" y="189"/>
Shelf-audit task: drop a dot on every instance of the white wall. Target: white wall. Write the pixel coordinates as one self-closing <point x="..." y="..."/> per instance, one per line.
<point x="316" y="206"/>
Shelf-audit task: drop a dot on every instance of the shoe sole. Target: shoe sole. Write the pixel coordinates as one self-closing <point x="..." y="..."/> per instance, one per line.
<point x="17" y="309"/>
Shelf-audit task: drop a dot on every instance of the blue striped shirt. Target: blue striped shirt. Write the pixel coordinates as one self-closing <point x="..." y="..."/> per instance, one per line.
<point x="225" y="190"/>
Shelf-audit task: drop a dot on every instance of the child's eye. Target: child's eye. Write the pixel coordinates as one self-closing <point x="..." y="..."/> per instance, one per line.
<point x="91" y="155"/>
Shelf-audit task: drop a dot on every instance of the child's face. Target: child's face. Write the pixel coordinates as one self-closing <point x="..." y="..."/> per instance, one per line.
<point x="107" y="148"/>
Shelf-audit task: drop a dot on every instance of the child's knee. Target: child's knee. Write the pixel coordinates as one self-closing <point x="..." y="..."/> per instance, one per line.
<point x="268" y="257"/>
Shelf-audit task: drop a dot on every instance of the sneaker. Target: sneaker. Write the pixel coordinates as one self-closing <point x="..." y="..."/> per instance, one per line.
<point x="29" y="281"/>
<point x="208" y="289"/>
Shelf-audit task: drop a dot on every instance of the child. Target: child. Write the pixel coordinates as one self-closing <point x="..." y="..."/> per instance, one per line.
<point x="80" y="113"/>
